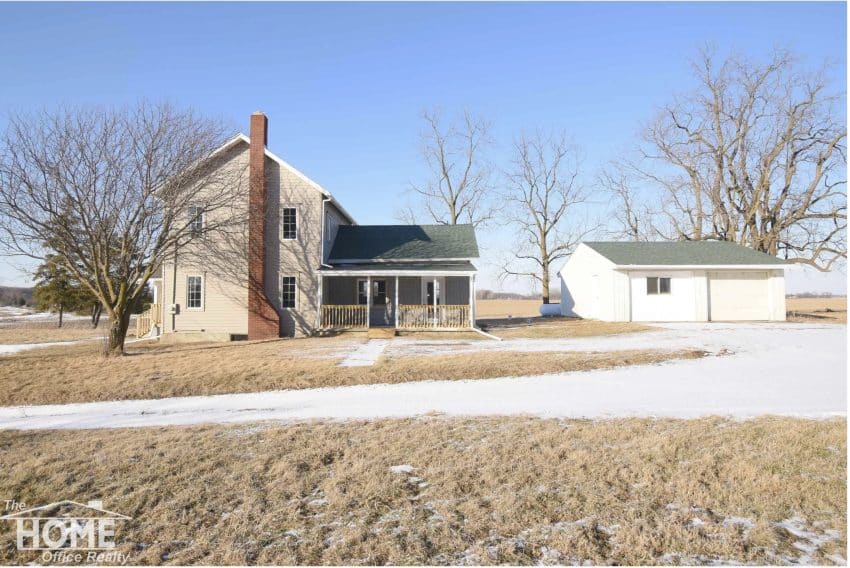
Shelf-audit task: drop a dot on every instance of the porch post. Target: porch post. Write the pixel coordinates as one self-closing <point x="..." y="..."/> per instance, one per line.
<point x="434" y="298"/>
<point x="319" y="304"/>
<point x="471" y="301"/>
<point x="395" y="304"/>
<point x="368" y="300"/>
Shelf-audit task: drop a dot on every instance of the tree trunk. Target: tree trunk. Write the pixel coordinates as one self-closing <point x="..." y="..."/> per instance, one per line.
<point x="61" y="311"/>
<point x="118" y="324"/>
<point x="545" y="282"/>
<point x="96" y="310"/>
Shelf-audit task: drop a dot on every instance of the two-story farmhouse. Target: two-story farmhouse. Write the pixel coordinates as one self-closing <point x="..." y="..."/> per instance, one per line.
<point x="307" y="266"/>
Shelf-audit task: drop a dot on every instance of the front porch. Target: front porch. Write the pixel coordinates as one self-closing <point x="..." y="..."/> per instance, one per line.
<point x="432" y="302"/>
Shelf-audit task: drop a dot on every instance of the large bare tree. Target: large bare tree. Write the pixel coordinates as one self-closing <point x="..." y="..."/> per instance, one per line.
<point x="114" y="191"/>
<point x="756" y="155"/>
<point x="542" y="192"/>
<point x="458" y="188"/>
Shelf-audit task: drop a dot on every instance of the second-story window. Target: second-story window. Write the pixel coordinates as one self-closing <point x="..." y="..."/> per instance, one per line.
<point x="289" y="223"/>
<point x="196" y="220"/>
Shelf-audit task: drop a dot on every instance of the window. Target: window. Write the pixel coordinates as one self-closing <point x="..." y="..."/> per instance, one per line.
<point x="289" y="223"/>
<point x="288" y="292"/>
<point x="379" y="292"/>
<point x="196" y="220"/>
<point x="362" y="292"/>
<point x="194" y="292"/>
<point x="656" y="285"/>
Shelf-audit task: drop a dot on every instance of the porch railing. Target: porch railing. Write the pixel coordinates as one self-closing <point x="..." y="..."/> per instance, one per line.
<point x="344" y="316"/>
<point x="146" y="320"/>
<point x="426" y="316"/>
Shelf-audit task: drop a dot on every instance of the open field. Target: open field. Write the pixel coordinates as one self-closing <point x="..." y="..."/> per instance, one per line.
<point x="558" y="327"/>
<point x="805" y="309"/>
<point x="76" y="373"/>
<point x="482" y="491"/>
<point x="498" y="309"/>
<point x="827" y="310"/>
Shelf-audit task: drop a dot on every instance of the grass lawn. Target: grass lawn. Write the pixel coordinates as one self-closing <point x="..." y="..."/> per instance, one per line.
<point x="76" y="373"/>
<point x="557" y="327"/>
<point x="481" y="491"/>
<point x="48" y="332"/>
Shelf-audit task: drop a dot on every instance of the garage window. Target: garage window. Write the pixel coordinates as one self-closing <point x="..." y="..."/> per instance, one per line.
<point x="657" y="285"/>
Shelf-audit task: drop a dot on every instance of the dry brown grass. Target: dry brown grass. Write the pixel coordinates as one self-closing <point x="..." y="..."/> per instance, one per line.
<point x="826" y="310"/>
<point x="553" y="328"/>
<point x="77" y="374"/>
<point x="497" y="309"/>
<point x="43" y="332"/>
<point x="483" y="491"/>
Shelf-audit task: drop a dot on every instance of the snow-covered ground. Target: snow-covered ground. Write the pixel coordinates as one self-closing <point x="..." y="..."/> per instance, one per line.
<point x="13" y="314"/>
<point x="755" y="369"/>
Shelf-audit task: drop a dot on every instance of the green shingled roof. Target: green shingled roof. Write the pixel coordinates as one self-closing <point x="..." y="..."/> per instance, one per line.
<point x="403" y="242"/>
<point x="696" y="253"/>
<point x="439" y="266"/>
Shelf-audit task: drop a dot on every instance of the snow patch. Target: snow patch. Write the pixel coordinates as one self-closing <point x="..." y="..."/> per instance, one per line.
<point x="808" y="541"/>
<point x="773" y="357"/>
<point x="405" y="468"/>
<point x="366" y="354"/>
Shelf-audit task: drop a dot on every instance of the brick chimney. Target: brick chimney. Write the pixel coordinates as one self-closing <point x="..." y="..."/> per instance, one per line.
<point x="263" y="319"/>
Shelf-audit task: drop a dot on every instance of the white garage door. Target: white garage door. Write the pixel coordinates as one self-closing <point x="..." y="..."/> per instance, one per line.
<point x="738" y="295"/>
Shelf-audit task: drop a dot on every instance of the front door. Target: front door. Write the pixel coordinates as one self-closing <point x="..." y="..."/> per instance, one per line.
<point x="428" y="291"/>
<point x="380" y="310"/>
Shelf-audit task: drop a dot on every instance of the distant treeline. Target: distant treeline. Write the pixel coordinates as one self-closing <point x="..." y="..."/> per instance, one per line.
<point x="493" y="295"/>
<point x="815" y="295"/>
<point x="11" y="296"/>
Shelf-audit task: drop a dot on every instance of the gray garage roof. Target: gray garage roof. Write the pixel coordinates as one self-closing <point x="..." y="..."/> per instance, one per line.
<point x="691" y="253"/>
<point x="364" y="243"/>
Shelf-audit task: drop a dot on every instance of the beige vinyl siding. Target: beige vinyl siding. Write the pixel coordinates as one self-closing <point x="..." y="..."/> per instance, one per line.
<point x="333" y="219"/>
<point x="224" y="304"/>
<point x="222" y="265"/>
<point x="299" y="257"/>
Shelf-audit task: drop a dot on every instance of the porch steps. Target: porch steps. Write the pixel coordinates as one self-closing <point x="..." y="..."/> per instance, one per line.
<point x="380" y="333"/>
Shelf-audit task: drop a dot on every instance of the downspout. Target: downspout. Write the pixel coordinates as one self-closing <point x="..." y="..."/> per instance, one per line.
<point x="321" y="265"/>
<point x="174" y="294"/>
<point x="322" y="260"/>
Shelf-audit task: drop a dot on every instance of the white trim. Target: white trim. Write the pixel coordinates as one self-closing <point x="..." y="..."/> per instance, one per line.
<point x="439" y="291"/>
<point x="357" y="291"/>
<point x="202" y="215"/>
<point x="240" y="137"/>
<point x="280" y="284"/>
<point x="203" y="292"/>
<point x="627" y="267"/>
<point x="389" y="260"/>
<point x="297" y="222"/>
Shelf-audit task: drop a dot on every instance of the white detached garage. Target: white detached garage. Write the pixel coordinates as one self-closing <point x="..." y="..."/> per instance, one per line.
<point x="672" y="281"/>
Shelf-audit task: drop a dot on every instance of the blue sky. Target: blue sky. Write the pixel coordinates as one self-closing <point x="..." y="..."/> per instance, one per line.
<point x="344" y="84"/>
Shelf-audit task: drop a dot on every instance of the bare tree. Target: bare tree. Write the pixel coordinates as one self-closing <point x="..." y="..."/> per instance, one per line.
<point x="542" y="188"/>
<point x="755" y="156"/>
<point x="630" y="217"/>
<point x="115" y="193"/>
<point x="458" y="188"/>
